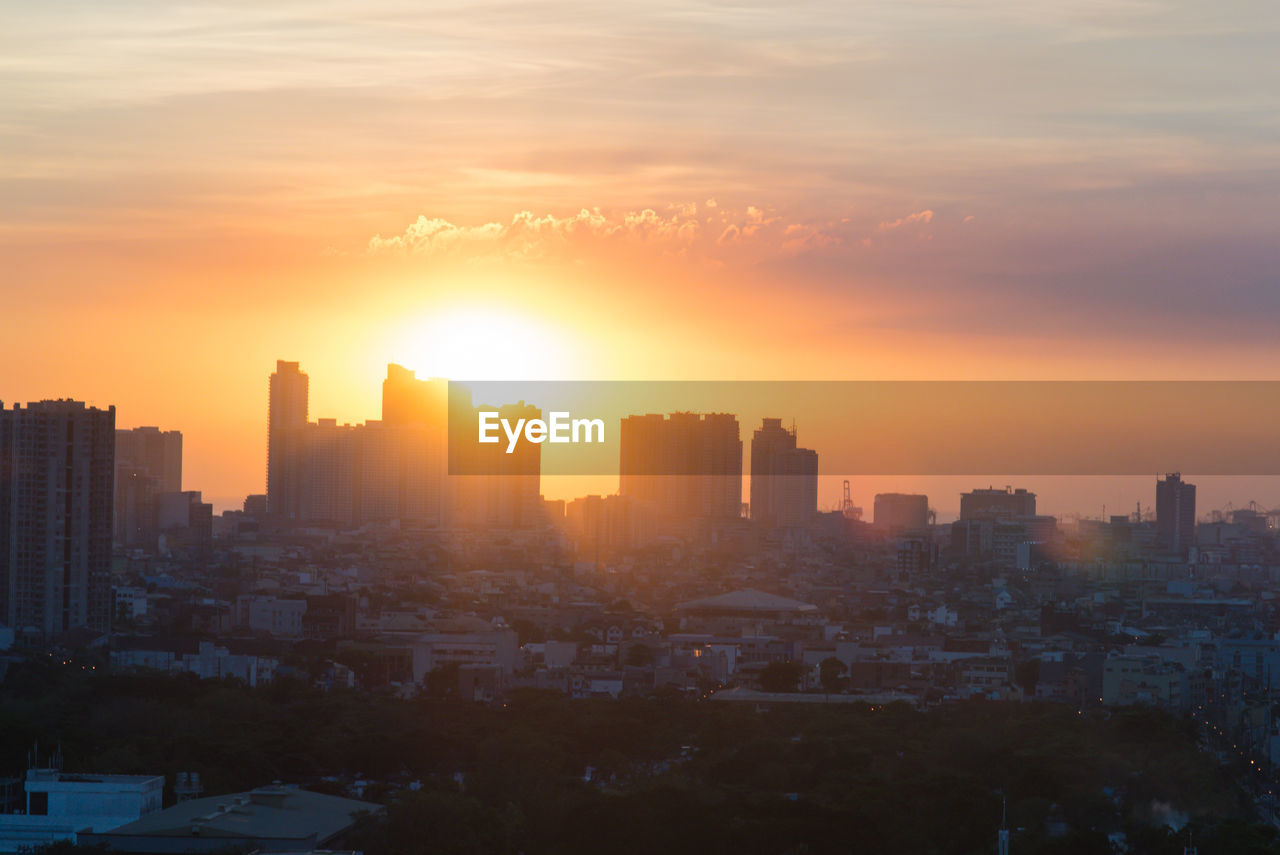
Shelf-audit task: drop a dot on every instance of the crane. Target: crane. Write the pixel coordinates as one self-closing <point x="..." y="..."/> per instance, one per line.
<point x="847" y="507"/>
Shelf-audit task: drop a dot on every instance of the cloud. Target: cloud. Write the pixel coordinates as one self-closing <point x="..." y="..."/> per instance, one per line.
<point x="710" y="233"/>
<point x="527" y="235"/>
<point x="919" y="218"/>
<point x="532" y="235"/>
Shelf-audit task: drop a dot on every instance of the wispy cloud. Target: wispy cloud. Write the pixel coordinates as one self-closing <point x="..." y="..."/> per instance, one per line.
<point x="714" y="232"/>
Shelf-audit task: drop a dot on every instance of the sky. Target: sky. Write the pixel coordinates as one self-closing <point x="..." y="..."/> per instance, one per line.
<point x="915" y="189"/>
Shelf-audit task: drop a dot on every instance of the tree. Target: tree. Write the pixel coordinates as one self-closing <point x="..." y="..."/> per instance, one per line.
<point x="781" y="676"/>
<point x="831" y="672"/>
<point x="1027" y="674"/>
<point x="442" y="681"/>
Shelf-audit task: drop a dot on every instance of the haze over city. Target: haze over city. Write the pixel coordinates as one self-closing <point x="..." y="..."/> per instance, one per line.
<point x="925" y="352"/>
<point x="657" y="191"/>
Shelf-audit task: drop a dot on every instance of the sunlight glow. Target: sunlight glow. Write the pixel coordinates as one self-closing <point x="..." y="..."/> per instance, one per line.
<point x="479" y="343"/>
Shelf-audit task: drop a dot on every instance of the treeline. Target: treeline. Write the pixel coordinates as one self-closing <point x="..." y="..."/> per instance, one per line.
<point x="666" y="774"/>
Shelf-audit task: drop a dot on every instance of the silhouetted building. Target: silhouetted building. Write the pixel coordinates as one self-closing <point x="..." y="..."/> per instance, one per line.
<point x="255" y="505"/>
<point x="1175" y="513"/>
<point x="286" y="421"/>
<point x="993" y="504"/>
<point x="896" y="513"/>
<point x="157" y="451"/>
<point x="135" y="505"/>
<point x="148" y="462"/>
<point x="491" y="488"/>
<point x="406" y="400"/>
<point x="185" y="519"/>
<point x="685" y="469"/>
<point x="421" y="408"/>
<point x="784" y="478"/>
<point x="57" y="462"/>
<point x="393" y="473"/>
<point x="329" y="474"/>
<point x="1001" y="538"/>
<point x="602" y="525"/>
<point x="972" y="538"/>
<point x="379" y="471"/>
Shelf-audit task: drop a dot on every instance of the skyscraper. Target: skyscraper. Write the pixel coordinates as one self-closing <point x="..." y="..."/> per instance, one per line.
<point x="330" y="474"/>
<point x="409" y="400"/>
<point x="488" y="487"/>
<point x="148" y="462"/>
<point x="286" y="423"/>
<point x="784" y="478"/>
<point x="417" y="412"/>
<point x="1175" y="513"/>
<point x="685" y="469"/>
<point x="56" y="473"/>
<point x="157" y="451"/>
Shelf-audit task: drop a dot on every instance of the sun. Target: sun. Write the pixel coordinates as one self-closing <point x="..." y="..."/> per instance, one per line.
<point x="482" y="343"/>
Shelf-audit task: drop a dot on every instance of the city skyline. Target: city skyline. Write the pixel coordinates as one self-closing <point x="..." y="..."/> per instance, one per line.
<point x="684" y="426"/>
<point x="1103" y="495"/>
<point x="985" y="209"/>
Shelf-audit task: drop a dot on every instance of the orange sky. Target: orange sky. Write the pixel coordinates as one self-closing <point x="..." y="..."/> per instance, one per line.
<point x="936" y="190"/>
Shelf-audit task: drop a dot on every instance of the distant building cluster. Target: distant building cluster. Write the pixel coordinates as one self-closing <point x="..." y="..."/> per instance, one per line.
<point x="394" y="469"/>
<point x="367" y="565"/>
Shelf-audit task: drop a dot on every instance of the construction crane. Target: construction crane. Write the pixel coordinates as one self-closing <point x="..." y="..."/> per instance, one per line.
<point x="847" y="507"/>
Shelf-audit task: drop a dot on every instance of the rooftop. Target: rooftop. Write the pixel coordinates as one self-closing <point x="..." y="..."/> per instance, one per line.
<point x="267" y="813"/>
<point x="747" y="600"/>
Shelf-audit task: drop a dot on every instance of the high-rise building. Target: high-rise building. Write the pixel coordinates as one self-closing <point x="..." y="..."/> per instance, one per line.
<point x="157" y="451"/>
<point x="418" y="411"/>
<point x="392" y="472"/>
<point x="57" y="461"/>
<point x="784" y="478"/>
<point x="1175" y="513"/>
<point x="685" y="469"/>
<point x="148" y="462"/>
<point x="409" y="400"/>
<point x="993" y="504"/>
<point x="286" y="424"/>
<point x="489" y="487"/>
<point x="329" y="474"/>
<point x="897" y="513"/>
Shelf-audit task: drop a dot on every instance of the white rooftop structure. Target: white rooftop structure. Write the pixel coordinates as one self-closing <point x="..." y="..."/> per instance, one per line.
<point x="60" y="804"/>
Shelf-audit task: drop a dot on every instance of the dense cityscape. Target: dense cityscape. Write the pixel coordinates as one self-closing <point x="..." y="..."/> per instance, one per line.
<point x="367" y="569"/>
<point x="679" y="427"/>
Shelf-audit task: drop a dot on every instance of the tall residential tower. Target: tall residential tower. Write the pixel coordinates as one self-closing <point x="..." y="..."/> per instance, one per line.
<point x="1175" y="513"/>
<point x="784" y="478"/>
<point x="57" y="461"/>
<point x="286" y="424"/>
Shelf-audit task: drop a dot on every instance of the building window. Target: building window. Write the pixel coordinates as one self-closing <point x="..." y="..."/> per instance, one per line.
<point x="39" y="804"/>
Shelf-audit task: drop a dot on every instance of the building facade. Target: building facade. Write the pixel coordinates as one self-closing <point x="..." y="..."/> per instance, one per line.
<point x="1175" y="513"/>
<point x="784" y="478"/>
<point x="896" y="513"/>
<point x="57" y="466"/>
<point x="685" y="469"/>
<point x="286" y="423"/>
